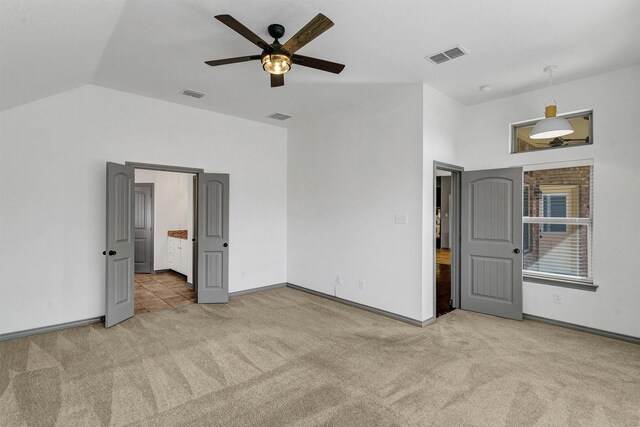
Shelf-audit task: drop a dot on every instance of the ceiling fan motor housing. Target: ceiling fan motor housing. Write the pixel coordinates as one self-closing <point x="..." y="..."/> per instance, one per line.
<point x="276" y="31"/>
<point x="275" y="59"/>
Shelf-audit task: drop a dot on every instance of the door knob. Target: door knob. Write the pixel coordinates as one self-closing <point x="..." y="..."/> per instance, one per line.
<point x="516" y="251"/>
<point x="225" y="245"/>
<point x="104" y="252"/>
<point x="112" y="253"/>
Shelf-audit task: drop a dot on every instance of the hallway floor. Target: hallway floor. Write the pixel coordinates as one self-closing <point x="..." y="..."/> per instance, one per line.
<point x="163" y="291"/>
<point x="443" y="281"/>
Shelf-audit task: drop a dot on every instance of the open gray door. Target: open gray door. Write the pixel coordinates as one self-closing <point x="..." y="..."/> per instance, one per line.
<point x="491" y="264"/>
<point x="120" y="242"/>
<point x="143" y="228"/>
<point x="213" y="238"/>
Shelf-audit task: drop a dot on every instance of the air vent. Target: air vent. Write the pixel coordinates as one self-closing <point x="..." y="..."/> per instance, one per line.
<point x="192" y="93"/>
<point x="279" y="116"/>
<point x="440" y="57"/>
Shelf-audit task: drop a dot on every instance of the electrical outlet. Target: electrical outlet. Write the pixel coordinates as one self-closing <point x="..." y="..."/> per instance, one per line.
<point x="361" y="285"/>
<point x="338" y="280"/>
<point x="402" y="219"/>
<point x="556" y="299"/>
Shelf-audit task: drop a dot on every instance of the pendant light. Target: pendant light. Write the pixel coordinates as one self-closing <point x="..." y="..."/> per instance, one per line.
<point x="551" y="126"/>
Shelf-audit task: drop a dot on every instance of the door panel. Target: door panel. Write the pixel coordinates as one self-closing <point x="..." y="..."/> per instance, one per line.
<point x="120" y="243"/>
<point x="491" y="267"/>
<point x="143" y="228"/>
<point x="213" y="238"/>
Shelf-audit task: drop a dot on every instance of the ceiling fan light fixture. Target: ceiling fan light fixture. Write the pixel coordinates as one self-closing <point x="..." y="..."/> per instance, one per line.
<point x="551" y="126"/>
<point x="276" y="63"/>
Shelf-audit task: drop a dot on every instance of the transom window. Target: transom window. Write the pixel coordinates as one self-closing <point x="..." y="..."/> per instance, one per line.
<point x="582" y="123"/>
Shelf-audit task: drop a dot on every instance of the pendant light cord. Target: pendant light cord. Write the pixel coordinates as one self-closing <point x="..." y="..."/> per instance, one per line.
<point x="550" y="70"/>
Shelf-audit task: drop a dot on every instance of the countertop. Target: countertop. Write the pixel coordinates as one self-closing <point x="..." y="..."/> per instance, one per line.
<point x="178" y="234"/>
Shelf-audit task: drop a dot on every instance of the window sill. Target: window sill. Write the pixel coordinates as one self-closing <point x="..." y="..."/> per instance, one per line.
<point x="565" y="283"/>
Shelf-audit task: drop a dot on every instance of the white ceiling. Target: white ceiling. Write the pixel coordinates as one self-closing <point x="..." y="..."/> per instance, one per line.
<point x="157" y="48"/>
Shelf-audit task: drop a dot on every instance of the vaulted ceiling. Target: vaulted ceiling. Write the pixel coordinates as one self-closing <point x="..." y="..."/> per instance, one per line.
<point x="157" y="48"/>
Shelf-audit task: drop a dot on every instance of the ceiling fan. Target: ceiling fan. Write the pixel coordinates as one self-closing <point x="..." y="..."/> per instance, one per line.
<point x="276" y="58"/>
<point x="560" y="141"/>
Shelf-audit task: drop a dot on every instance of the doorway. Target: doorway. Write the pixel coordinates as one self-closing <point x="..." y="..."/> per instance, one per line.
<point x="485" y="237"/>
<point x="209" y="245"/>
<point x="446" y="260"/>
<point x="163" y="231"/>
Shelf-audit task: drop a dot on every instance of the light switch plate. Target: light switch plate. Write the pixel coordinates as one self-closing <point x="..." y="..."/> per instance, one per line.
<point x="402" y="219"/>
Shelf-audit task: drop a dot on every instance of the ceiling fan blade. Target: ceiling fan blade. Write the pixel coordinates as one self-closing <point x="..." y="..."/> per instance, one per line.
<point x="232" y="60"/>
<point x="313" y="29"/>
<point x="236" y="26"/>
<point x="277" y="80"/>
<point x="318" y="64"/>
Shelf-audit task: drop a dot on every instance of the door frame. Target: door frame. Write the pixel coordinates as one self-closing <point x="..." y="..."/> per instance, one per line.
<point x="153" y="220"/>
<point x="165" y="168"/>
<point x="454" y="230"/>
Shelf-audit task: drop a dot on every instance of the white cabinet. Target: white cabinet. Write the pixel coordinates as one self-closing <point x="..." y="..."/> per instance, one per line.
<point x="179" y="255"/>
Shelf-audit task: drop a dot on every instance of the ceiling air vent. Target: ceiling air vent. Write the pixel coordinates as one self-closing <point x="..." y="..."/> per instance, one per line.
<point x="192" y="93"/>
<point x="279" y="116"/>
<point x="440" y="57"/>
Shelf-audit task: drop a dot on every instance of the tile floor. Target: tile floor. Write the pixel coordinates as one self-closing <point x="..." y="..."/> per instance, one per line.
<point x="163" y="291"/>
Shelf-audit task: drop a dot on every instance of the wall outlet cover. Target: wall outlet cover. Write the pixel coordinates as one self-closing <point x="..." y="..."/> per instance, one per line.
<point x="402" y="219"/>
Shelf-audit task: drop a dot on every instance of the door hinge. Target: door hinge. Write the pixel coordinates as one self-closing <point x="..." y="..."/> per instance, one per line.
<point x="450" y="303"/>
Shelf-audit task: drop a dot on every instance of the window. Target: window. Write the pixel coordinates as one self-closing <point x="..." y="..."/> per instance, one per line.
<point x="526" y="237"/>
<point x="558" y="223"/>
<point x="582" y="123"/>
<point x="554" y="206"/>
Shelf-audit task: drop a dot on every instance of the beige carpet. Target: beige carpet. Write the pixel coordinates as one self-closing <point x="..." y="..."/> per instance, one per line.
<point x="284" y="357"/>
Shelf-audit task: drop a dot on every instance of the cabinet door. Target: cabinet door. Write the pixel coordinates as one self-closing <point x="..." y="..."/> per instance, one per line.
<point x="171" y="256"/>
<point x="185" y="253"/>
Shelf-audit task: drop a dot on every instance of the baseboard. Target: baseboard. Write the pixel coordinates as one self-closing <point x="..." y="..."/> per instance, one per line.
<point x="364" y="307"/>
<point x="163" y="270"/>
<point x="615" y="336"/>
<point x="43" y="329"/>
<point x="260" y="289"/>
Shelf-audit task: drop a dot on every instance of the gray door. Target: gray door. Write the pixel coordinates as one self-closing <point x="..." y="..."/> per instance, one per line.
<point x="213" y="238"/>
<point x="491" y="265"/>
<point x="119" y="253"/>
<point x="143" y="228"/>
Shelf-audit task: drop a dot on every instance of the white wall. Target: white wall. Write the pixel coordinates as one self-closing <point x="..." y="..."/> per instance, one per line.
<point x="349" y="174"/>
<point x="52" y="194"/>
<point x="171" y="209"/>
<point x="440" y="130"/>
<point x="615" y="99"/>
